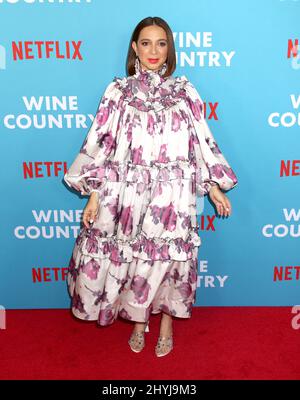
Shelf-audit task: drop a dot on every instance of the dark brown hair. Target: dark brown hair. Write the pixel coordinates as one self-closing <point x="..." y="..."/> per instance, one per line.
<point x="171" y="57"/>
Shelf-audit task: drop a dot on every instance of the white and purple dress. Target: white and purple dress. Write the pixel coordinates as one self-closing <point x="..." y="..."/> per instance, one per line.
<point x="148" y="153"/>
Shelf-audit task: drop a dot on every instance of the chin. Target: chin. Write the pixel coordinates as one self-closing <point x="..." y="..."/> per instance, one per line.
<point x="155" y="66"/>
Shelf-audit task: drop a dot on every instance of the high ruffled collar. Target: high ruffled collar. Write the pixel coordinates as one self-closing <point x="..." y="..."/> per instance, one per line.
<point x="152" y="77"/>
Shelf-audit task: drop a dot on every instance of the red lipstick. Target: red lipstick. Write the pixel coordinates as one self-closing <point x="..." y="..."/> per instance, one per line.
<point x="153" y="60"/>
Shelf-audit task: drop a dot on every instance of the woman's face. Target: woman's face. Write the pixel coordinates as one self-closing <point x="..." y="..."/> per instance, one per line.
<point x="151" y="47"/>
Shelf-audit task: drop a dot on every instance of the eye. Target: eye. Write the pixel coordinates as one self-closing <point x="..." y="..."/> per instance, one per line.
<point x="163" y="43"/>
<point x="144" y="43"/>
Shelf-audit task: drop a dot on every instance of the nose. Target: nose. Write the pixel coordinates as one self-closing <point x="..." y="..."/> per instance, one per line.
<point x="153" y="50"/>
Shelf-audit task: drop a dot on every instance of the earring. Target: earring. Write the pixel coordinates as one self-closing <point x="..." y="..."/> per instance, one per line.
<point x="137" y="65"/>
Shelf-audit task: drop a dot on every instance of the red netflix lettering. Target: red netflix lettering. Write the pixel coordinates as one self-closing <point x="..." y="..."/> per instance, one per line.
<point x="42" y="169"/>
<point x="289" y="168"/>
<point x="286" y="273"/>
<point x="292" y="48"/>
<point x="48" y="274"/>
<point x="39" y="49"/>
<point x="210" y="225"/>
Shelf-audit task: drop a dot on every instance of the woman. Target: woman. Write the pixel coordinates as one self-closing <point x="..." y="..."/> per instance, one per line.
<point x="147" y="155"/>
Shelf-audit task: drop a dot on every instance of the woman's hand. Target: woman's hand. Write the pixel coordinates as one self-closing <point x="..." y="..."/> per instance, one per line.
<point x="220" y="200"/>
<point x="91" y="210"/>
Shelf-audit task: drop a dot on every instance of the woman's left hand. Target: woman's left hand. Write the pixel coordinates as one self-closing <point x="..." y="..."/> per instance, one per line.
<point x="220" y="200"/>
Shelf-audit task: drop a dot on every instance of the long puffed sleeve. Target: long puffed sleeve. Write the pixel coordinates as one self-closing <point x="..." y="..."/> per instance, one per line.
<point x="85" y="174"/>
<point x="212" y="167"/>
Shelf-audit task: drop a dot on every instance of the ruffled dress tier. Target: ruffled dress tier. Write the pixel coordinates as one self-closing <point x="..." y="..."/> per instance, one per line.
<point x="148" y="153"/>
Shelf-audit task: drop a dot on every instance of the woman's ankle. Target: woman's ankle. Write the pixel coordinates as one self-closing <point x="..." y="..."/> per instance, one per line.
<point x="139" y="326"/>
<point x="166" y="325"/>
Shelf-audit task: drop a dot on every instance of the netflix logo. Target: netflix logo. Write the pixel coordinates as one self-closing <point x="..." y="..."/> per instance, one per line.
<point x="43" y="169"/>
<point x="207" y="223"/>
<point x="286" y="273"/>
<point x="29" y="50"/>
<point x="47" y="274"/>
<point x="292" y="48"/>
<point x="289" y="168"/>
<point x="293" y="53"/>
<point x="209" y="110"/>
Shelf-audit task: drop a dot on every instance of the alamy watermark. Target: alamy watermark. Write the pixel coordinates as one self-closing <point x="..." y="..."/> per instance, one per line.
<point x="2" y="317"/>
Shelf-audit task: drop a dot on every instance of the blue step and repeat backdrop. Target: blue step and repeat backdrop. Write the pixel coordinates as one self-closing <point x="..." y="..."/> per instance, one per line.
<point x="57" y="57"/>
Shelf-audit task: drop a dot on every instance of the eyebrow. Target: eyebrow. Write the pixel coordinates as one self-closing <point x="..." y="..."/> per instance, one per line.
<point x="150" y="39"/>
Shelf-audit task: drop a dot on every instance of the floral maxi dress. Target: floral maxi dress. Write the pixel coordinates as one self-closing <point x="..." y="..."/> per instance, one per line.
<point x="148" y="153"/>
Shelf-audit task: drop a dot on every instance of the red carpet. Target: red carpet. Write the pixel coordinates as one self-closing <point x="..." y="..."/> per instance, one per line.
<point x="219" y="343"/>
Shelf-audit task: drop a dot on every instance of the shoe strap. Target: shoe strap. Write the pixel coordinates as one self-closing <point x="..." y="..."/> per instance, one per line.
<point x="165" y="337"/>
<point x="137" y="334"/>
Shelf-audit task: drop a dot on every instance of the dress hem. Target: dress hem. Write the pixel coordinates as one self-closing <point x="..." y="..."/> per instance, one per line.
<point x="119" y="316"/>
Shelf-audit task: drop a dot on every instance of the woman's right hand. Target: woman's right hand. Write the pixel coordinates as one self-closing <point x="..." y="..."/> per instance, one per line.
<point x="220" y="200"/>
<point x="91" y="210"/>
